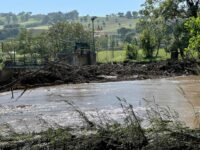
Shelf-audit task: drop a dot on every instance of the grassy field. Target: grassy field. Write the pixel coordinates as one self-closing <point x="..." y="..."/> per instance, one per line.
<point x="109" y="56"/>
<point x="44" y="27"/>
<point x="106" y="56"/>
<point x="110" y="25"/>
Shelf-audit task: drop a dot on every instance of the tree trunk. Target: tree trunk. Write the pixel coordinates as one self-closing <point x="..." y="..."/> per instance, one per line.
<point x="182" y="53"/>
<point x="158" y="48"/>
<point x="174" y="54"/>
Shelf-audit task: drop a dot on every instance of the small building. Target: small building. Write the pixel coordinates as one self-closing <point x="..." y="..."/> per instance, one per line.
<point x="82" y="55"/>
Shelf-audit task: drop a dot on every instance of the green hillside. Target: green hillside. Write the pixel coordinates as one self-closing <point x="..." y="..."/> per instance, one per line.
<point x="111" y="25"/>
<point x="107" y="24"/>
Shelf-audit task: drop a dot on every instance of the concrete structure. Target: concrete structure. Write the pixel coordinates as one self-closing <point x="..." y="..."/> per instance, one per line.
<point x="82" y="55"/>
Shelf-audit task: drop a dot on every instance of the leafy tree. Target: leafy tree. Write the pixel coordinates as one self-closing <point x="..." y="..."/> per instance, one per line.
<point x="102" y="42"/>
<point x="9" y="31"/>
<point x="54" y="17"/>
<point x="135" y="14"/>
<point x="174" y="13"/>
<point x="63" y="36"/>
<point x="107" y="17"/>
<point x="123" y="32"/>
<point x="132" y="51"/>
<point x="26" y="43"/>
<point x="129" y="15"/>
<point x="8" y="18"/>
<point x="104" y="24"/>
<point x="14" y="19"/>
<point x="1" y="22"/>
<point x="27" y="16"/>
<point x="192" y="26"/>
<point x="120" y="14"/>
<point x="46" y="20"/>
<point x="85" y="18"/>
<point x="147" y="42"/>
<point x="73" y="15"/>
<point x="22" y="16"/>
<point x="9" y="48"/>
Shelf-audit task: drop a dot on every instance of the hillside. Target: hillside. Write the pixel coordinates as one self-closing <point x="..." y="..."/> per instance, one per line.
<point x="110" y="25"/>
<point x="38" y="23"/>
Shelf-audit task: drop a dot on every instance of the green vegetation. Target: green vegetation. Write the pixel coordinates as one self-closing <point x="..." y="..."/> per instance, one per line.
<point x="160" y="35"/>
<point x="151" y="34"/>
<point x="60" y="38"/>
<point x="109" y="24"/>
<point x="194" y="42"/>
<point x="106" y="56"/>
<point x="164" y="23"/>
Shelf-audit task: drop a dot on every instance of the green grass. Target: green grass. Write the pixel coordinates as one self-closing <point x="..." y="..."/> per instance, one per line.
<point x="111" y="24"/>
<point x="30" y="21"/>
<point x="45" y="27"/>
<point x="106" y="56"/>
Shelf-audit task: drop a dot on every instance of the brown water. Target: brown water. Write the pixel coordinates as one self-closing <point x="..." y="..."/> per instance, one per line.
<point x="41" y="108"/>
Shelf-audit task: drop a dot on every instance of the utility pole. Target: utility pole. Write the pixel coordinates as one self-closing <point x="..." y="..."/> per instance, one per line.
<point x="93" y="40"/>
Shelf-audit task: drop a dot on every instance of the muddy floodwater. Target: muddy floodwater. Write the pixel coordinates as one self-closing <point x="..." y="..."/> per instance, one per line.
<point x="45" y="107"/>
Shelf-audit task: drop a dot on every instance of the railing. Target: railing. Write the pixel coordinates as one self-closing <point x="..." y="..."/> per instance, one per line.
<point x="22" y="65"/>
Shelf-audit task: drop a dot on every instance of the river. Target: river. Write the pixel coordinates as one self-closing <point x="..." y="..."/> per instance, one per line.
<point x="45" y="107"/>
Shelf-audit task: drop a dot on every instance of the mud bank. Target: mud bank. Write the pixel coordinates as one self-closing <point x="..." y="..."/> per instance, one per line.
<point x="60" y="73"/>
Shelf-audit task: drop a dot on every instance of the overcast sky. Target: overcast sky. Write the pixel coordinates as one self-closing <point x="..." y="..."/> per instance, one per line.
<point x="84" y="7"/>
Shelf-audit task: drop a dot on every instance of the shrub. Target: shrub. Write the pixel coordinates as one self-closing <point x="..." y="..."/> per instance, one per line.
<point x="132" y="52"/>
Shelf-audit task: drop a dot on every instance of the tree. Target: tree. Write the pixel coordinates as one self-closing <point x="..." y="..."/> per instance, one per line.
<point x="192" y="26"/>
<point x="120" y="14"/>
<point x="46" y="20"/>
<point x="9" y="31"/>
<point x="123" y="32"/>
<point x="54" y="17"/>
<point x="22" y="16"/>
<point x="174" y="13"/>
<point x="1" y="22"/>
<point x="14" y="19"/>
<point x="9" y="48"/>
<point x="129" y="15"/>
<point x="43" y="46"/>
<point x="104" y="24"/>
<point x="63" y="36"/>
<point x="135" y="14"/>
<point x="102" y="42"/>
<point x="85" y="18"/>
<point x="27" y="16"/>
<point x="147" y="42"/>
<point x="107" y="17"/>
<point x="25" y="44"/>
<point x="8" y="18"/>
<point x="132" y="51"/>
<point x="72" y="15"/>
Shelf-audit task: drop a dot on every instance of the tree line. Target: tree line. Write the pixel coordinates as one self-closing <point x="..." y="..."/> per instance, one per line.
<point x="60" y="37"/>
<point x="169" y="24"/>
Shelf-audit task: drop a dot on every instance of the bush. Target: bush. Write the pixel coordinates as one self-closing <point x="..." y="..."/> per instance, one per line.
<point x="132" y="52"/>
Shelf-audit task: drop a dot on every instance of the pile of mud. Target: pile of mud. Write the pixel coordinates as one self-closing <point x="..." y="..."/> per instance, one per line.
<point x="61" y="73"/>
